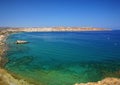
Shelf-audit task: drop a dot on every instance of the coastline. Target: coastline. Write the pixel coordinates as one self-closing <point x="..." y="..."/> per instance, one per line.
<point x="5" y="77"/>
<point x="56" y="29"/>
<point x="8" y="79"/>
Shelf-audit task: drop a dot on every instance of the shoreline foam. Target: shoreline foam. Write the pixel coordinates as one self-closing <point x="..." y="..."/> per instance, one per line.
<point x="8" y="79"/>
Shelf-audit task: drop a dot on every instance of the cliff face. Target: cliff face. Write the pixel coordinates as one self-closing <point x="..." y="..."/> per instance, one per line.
<point x="52" y="29"/>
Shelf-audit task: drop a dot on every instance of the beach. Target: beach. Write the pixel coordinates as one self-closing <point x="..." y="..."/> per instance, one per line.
<point x="9" y="79"/>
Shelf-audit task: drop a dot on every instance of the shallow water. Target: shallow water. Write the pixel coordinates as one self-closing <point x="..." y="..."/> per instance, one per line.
<point x="64" y="58"/>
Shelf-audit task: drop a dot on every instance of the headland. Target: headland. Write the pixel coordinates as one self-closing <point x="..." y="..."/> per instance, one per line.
<point x="55" y="29"/>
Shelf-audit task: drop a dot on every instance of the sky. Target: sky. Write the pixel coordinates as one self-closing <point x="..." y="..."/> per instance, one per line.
<point x="50" y="13"/>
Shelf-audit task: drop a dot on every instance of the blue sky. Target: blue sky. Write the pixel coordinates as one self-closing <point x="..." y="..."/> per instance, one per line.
<point x="42" y="13"/>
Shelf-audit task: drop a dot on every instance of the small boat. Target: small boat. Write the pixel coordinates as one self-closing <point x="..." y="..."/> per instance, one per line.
<point x="21" y="42"/>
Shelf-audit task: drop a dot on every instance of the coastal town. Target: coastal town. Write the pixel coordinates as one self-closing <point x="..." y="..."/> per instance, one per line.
<point x="55" y="29"/>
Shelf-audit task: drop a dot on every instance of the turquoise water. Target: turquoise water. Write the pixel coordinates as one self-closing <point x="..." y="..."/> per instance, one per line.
<point x="64" y="58"/>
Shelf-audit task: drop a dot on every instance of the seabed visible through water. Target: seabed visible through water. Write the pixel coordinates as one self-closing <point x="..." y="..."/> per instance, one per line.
<point x="64" y="58"/>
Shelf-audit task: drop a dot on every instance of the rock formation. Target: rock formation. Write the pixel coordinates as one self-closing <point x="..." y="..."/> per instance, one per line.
<point x="106" y="81"/>
<point x="21" y="42"/>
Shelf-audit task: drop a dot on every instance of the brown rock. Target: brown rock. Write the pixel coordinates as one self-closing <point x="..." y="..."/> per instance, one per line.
<point x="106" y="81"/>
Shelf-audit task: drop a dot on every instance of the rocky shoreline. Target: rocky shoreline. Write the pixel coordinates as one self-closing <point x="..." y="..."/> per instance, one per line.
<point x="8" y="79"/>
<point x="106" y="81"/>
<point x="5" y="77"/>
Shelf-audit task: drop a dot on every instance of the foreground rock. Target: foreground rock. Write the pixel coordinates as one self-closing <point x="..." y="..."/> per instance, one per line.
<point x="106" y="81"/>
<point x="7" y="79"/>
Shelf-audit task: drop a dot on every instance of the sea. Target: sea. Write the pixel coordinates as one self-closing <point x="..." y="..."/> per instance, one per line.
<point x="64" y="58"/>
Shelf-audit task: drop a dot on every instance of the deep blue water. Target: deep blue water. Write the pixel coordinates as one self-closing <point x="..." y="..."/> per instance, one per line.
<point x="64" y="58"/>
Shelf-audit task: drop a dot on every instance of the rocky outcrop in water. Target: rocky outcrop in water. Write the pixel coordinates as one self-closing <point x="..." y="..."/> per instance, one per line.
<point x="21" y="42"/>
